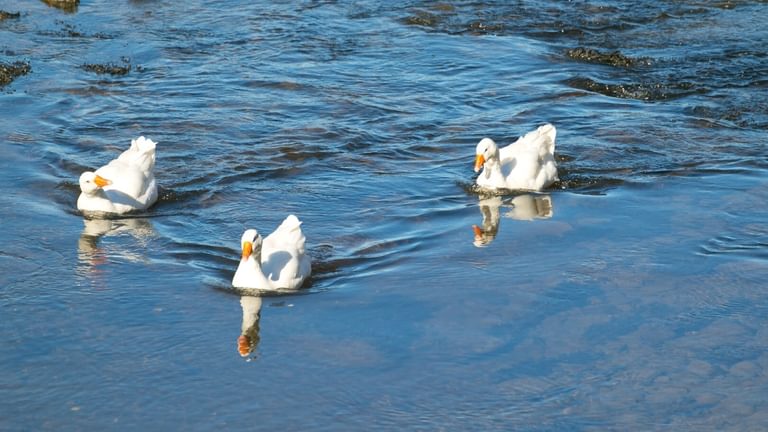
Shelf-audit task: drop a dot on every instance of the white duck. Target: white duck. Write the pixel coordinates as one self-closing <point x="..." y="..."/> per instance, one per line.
<point x="277" y="262"/>
<point x="124" y="184"/>
<point x="526" y="164"/>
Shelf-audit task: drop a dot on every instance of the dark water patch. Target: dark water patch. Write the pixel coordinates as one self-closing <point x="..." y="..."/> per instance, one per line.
<point x="582" y="183"/>
<point x="615" y="58"/>
<point x="423" y="18"/>
<point x="70" y="187"/>
<point x="643" y="91"/>
<point x="325" y="263"/>
<point x="382" y="255"/>
<point x="271" y="293"/>
<point x="11" y="71"/>
<point x="178" y="197"/>
<point x="138" y="214"/>
<point x="299" y="153"/>
<point x="699" y="169"/>
<point x="70" y="31"/>
<point x="276" y="85"/>
<point x="749" y="111"/>
<point x="588" y="185"/>
<point x="255" y="173"/>
<point x="92" y="90"/>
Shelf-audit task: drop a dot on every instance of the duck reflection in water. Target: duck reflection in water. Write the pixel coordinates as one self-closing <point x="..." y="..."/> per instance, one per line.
<point x="249" y="331"/>
<point x="522" y="207"/>
<point x="91" y="254"/>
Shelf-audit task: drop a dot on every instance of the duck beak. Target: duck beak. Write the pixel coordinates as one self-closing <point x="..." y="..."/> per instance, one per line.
<point x="247" y="249"/>
<point x="243" y="345"/>
<point x="478" y="232"/>
<point x="479" y="162"/>
<point x="101" y="181"/>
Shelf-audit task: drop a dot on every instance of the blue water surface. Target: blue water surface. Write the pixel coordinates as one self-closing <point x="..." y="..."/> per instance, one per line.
<point x="628" y="296"/>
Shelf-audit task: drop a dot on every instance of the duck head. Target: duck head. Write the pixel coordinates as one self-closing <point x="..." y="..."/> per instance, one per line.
<point x="486" y="150"/>
<point x="90" y="182"/>
<point x="250" y="243"/>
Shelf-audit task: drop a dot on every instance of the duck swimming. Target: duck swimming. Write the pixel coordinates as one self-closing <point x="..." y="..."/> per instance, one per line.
<point x="125" y="184"/>
<point x="526" y="164"/>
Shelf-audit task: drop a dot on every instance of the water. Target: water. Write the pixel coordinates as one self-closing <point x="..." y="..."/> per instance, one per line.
<point x="628" y="296"/>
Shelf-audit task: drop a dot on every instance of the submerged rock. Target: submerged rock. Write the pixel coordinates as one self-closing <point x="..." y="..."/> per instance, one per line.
<point x="9" y="15"/>
<point x="108" y="68"/>
<point x="9" y="72"/>
<point x="445" y="17"/>
<point x="614" y="58"/>
<point x="424" y="19"/>
<point x="640" y="91"/>
<point x="65" y="5"/>
<point x="71" y="31"/>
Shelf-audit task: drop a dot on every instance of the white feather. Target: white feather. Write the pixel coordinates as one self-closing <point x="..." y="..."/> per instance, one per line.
<point x="283" y="262"/>
<point x="132" y="182"/>
<point x="526" y="164"/>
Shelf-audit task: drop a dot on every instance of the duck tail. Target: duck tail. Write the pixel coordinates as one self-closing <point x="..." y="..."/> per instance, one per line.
<point x="291" y="229"/>
<point x="549" y="131"/>
<point x="290" y="223"/>
<point x="143" y="145"/>
<point x="143" y="153"/>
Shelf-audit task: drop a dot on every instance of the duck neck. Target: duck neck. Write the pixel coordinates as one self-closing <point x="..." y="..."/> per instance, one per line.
<point x="96" y="200"/>
<point x="251" y="309"/>
<point x="250" y="275"/>
<point x="492" y="168"/>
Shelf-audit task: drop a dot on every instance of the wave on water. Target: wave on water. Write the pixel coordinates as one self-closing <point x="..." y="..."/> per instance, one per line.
<point x="652" y="51"/>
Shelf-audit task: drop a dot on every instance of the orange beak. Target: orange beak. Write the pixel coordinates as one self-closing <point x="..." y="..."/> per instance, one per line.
<point x="478" y="232"/>
<point x="247" y="250"/>
<point x="101" y="181"/>
<point x="243" y="345"/>
<point x="479" y="162"/>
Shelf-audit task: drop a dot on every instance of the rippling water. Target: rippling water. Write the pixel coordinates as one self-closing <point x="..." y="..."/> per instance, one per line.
<point x="628" y="296"/>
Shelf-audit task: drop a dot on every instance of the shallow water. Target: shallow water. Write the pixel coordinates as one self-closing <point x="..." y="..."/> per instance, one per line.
<point x="628" y="296"/>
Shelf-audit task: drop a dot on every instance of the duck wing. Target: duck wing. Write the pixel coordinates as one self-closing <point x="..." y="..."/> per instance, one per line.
<point x="283" y="257"/>
<point x="529" y="162"/>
